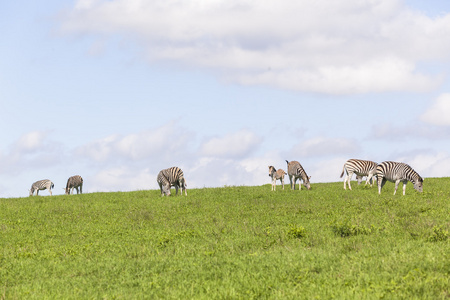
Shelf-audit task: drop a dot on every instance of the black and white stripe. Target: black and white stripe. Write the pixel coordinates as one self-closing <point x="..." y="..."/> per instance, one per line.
<point x="360" y="168"/>
<point x="171" y="177"/>
<point x="40" y="185"/>
<point x="276" y="175"/>
<point x="295" y="171"/>
<point x="396" y="172"/>
<point x="74" y="182"/>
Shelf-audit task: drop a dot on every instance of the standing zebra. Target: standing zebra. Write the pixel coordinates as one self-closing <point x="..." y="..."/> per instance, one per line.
<point x="171" y="177"/>
<point x="396" y="172"/>
<point x="296" y="171"/>
<point x="360" y="168"/>
<point x="74" y="182"/>
<point x="41" y="185"/>
<point x="276" y="174"/>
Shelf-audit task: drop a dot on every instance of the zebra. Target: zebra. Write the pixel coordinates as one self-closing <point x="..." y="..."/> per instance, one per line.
<point x="295" y="170"/>
<point x="42" y="185"/>
<point x="360" y="168"/>
<point x="171" y="177"/>
<point x="74" y="182"/>
<point x="396" y="172"/>
<point x="276" y="174"/>
<point x="164" y="184"/>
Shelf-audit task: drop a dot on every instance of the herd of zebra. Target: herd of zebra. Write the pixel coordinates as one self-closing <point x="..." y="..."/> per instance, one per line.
<point x="386" y="171"/>
<point x="166" y="179"/>
<point x="74" y="182"/>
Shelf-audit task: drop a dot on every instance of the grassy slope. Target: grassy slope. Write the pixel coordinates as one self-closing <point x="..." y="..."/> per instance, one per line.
<point x="232" y="242"/>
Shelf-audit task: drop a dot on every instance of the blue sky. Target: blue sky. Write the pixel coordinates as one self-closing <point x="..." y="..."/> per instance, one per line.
<point x="117" y="90"/>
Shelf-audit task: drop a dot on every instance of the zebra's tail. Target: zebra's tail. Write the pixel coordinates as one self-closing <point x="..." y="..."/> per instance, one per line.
<point x="52" y="186"/>
<point x="343" y="169"/>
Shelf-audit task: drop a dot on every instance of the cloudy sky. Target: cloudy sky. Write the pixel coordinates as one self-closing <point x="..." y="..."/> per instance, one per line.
<point x="117" y="90"/>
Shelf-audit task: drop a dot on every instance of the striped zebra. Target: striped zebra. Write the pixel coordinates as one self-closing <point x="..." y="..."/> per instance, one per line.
<point x="40" y="185"/>
<point x="396" y="172"/>
<point x="360" y="168"/>
<point x="276" y="174"/>
<point x="74" y="182"/>
<point x="171" y="177"/>
<point x="296" y="171"/>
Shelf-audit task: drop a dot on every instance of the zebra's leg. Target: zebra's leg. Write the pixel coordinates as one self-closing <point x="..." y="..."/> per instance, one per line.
<point x="50" y="191"/>
<point x="381" y="182"/>
<point x="349" y="178"/>
<point x="300" y="183"/>
<point x="404" y="186"/>
<point x="81" y="189"/>
<point x="396" y="186"/>
<point x="282" y="182"/>
<point x="345" y="182"/>
<point x="160" y="188"/>
<point x="290" y="182"/>
<point x="176" y="189"/>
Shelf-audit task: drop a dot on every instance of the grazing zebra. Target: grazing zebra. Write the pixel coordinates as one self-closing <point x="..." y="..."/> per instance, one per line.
<point x="74" y="182"/>
<point x="296" y="171"/>
<point x="171" y="177"/>
<point x="41" y="185"/>
<point x="276" y="174"/>
<point x="396" y="172"/>
<point x="164" y="184"/>
<point x="360" y="168"/>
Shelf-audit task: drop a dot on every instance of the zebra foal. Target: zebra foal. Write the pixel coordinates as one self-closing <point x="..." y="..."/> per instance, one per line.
<point x="296" y="171"/>
<point x="40" y="185"/>
<point x="74" y="182"/>
<point x="396" y="172"/>
<point x="276" y="175"/>
<point x="360" y="168"/>
<point x="171" y="177"/>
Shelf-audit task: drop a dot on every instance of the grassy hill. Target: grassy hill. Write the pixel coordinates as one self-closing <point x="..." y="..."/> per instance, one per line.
<point x="230" y="242"/>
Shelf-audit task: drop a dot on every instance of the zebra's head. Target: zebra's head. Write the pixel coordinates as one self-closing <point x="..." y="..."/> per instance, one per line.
<point x="31" y="191"/>
<point x="166" y="189"/>
<point x="271" y="170"/>
<point x="359" y="179"/>
<point x="306" y="182"/>
<point x="418" y="184"/>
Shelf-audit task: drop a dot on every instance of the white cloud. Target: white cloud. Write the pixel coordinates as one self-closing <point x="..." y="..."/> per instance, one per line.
<point x="439" y="112"/>
<point x="321" y="146"/>
<point x="33" y="150"/>
<point x="233" y="145"/>
<point x="121" y="178"/>
<point x="168" y="141"/>
<point x="31" y="141"/>
<point x="327" y="170"/>
<point x="337" y="47"/>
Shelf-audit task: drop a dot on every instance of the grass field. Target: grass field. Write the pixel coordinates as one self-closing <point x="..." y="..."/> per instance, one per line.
<point x="229" y="243"/>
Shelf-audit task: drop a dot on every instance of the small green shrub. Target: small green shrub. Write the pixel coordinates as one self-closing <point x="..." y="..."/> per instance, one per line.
<point x="345" y="229"/>
<point x="438" y="235"/>
<point x="296" y="232"/>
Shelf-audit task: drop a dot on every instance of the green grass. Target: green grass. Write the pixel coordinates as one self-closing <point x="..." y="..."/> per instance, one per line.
<point x="229" y="243"/>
